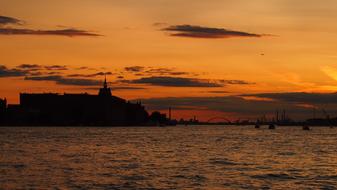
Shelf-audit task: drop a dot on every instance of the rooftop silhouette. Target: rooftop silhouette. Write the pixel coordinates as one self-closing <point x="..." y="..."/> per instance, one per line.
<point x="52" y="109"/>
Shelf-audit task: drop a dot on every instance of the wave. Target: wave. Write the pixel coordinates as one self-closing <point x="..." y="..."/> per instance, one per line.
<point x="272" y="176"/>
<point x="216" y="161"/>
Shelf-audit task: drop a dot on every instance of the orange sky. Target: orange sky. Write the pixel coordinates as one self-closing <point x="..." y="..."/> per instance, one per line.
<point x="295" y="53"/>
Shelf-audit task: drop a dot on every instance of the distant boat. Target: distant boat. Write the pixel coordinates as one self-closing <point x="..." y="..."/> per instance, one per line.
<point x="257" y="126"/>
<point x="306" y="127"/>
<point x="272" y="126"/>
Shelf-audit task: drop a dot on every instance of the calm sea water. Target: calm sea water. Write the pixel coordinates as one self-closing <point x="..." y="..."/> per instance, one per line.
<point x="209" y="157"/>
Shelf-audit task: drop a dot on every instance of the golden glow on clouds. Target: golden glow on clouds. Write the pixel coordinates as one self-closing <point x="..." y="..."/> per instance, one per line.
<point x="330" y="71"/>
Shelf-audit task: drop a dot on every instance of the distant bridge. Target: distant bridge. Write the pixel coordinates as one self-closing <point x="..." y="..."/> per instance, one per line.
<point x="218" y="118"/>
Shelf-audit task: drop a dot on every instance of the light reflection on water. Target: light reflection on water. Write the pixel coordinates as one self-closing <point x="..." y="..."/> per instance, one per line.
<point x="210" y="157"/>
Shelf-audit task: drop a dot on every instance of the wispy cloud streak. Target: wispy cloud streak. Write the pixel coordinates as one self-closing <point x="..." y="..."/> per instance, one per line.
<point x="169" y="81"/>
<point x="69" y="32"/>
<point x="64" y="32"/>
<point x="5" y="20"/>
<point x="192" y="31"/>
<point x="65" y="80"/>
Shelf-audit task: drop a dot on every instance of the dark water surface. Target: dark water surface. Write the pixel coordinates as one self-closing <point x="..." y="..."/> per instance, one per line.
<point x="168" y="158"/>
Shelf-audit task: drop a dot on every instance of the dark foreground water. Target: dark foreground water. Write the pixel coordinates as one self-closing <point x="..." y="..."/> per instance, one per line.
<point x="168" y="158"/>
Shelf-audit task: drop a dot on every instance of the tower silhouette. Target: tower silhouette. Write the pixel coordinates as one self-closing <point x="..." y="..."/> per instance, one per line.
<point x="105" y="91"/>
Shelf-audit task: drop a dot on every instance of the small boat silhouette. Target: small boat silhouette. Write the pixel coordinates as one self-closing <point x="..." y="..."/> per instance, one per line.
<point x="272" y="126"/>
<point x="306" y="127"/>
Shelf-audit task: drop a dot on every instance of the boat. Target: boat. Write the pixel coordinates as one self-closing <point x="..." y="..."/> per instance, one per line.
<point x="272" y="126"/>
<point x="306" y="127"/>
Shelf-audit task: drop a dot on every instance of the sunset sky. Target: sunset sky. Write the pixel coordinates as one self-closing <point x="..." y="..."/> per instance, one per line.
<point x="228" y="58"/>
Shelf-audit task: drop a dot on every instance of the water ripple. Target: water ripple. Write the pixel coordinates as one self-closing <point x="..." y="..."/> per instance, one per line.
<point x="208" y="157"/>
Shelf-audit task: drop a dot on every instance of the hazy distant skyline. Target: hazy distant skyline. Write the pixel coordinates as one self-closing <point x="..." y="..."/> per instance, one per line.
<point x="235" y="58"/>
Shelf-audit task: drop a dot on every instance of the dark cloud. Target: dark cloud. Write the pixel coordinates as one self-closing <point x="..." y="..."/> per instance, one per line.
<point x="86" y="68"/>
<point x="141" y="71"/>
<point x="5" y="72"/>
<point x="300" y="97"/>
<point x="48" y="72"/>
<point x="29" y="67"/>
<point x="206" y="32"/>
<point x="54" y="73"/>
<point x="171" y="81"/>
<point x="235" y="82"/>
<point x="56" y="67"/>
<point x="4" y="20"/>
<point x="30" y="70"/>
<point x="64" y="32"/>
<point x="90" y="75"/>
<point x="35" y="67"/>
<point x="226" y="104"/>
<point x="174" y="82"/>
<point x="229" y="104"/>
<point x="37" y="73"/>
<point x="165" y="71"/>
<point x="298" y="105"/>
<point x="70" y="32"/>
<point x="65" y="81"/>
<point x="134" y="68"/>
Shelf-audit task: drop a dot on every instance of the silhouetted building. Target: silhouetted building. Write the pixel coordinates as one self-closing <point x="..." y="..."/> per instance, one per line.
<point x="158" y="118"/>
<point x="105" y="91"/>
<point x="3" y="108"/>
<point x="51" y="109"/>
<point x="3" y="104"/>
